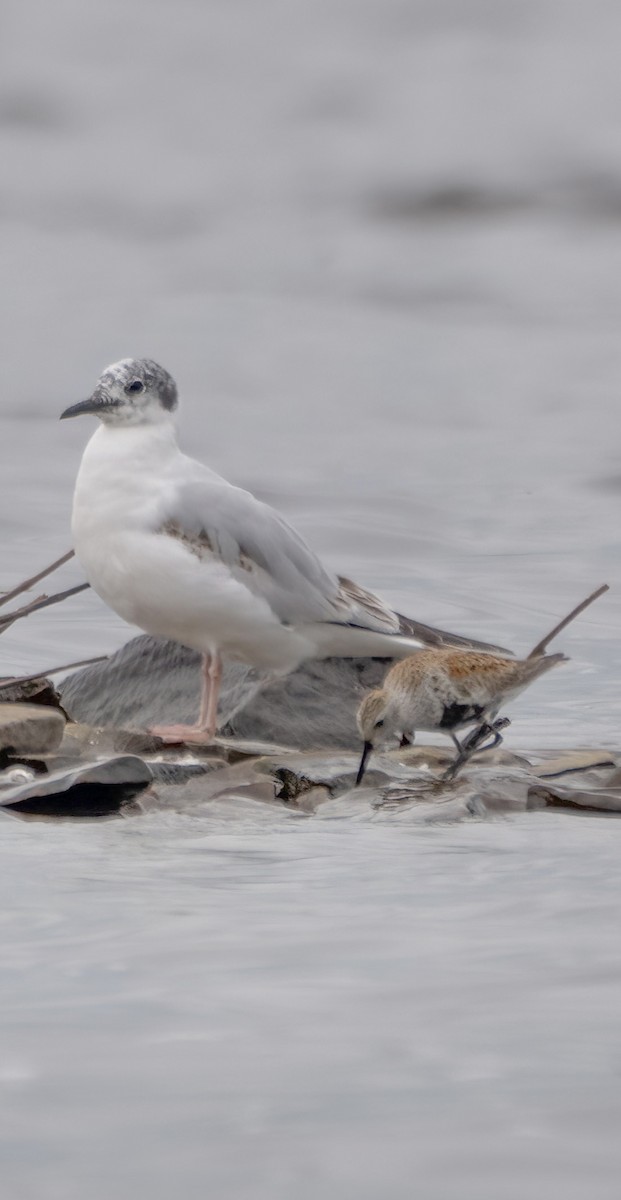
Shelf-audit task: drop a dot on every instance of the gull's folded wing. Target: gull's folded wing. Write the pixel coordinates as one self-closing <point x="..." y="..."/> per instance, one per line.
<point x="270" y="558"/>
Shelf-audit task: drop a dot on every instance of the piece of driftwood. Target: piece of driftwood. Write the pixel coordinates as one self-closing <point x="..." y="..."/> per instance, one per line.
<point x="24" y="586"/>
<point x="42" y="601"/>
<point x="11" y="681"/>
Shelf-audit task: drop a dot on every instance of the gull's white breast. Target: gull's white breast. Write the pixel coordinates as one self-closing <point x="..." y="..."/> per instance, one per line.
<point x="156" y="581"/>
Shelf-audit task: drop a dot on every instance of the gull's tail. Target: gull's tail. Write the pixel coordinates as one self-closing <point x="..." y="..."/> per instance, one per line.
<point x="336" y="639"/>
<point x="430" y="636"/>
<point x="538" y="651"/>
<point x="367" y="611"/>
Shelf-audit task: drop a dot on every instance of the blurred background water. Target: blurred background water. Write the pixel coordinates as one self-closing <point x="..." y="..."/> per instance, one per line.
<point x="378" y="244"/>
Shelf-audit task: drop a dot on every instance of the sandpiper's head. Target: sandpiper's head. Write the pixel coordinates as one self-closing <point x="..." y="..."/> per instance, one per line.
<point x="375" y="725"/>
<point x="134" y="391"/>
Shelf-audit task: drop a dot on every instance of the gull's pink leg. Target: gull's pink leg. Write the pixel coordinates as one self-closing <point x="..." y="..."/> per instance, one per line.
<point x="205" y="728"/>
<point x="215" y="679"/>
<point x="203" y="720"/>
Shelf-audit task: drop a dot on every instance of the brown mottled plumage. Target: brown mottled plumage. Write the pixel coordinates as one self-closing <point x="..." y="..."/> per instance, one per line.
<point x="442" y="690"/>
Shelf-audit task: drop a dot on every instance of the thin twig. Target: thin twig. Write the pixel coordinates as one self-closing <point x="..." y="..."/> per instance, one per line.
<point x="8" y="618"/>
<point x="28" y="583"/>
<point x="41" y="602"/>
<point x="539" y="649"/>
<point x="84" y="662"/>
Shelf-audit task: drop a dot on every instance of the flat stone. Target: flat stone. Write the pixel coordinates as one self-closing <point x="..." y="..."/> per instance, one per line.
<point x="296" y="773"/>
<point x="597" y="799"/>
<point x="573" y="761"/>
<point x="86" y="740"/>
<point x="136" y="741"/>
<point x="311" y="800"/>
<point x="33" y="691"/>
<point x="417" y="807"/>
<point x="440" y="757"/>
<point x="141" y="741"/>
<point x="92" y="790"/>
<point x="169" y="771"/>
<point x="30" y="730"/>
<point x="238" y="749"/>
<point x="240" y="779"/>
<point x="170" y="764"/>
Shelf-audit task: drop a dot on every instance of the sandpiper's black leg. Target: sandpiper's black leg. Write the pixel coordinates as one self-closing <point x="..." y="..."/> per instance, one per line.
<point x="475" y="742"/>
<point x="494" y="729"/>
<point x="459" y="759"/>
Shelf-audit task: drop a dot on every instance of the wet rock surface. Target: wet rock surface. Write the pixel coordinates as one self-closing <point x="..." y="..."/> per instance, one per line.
<point x="91" y="790"/>
<point x="405" y="785"/>
<point x="31" y="691"/>
<point x="80" y="770"/>
<point x="293" y="743"/>
<point x="30" y="729"/>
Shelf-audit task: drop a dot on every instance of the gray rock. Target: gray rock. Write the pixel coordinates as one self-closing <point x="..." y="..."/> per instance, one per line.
<point x="30" y="691"/>
<point x="95" y="790"/>
<point x="86" y="742"/>
<point x="30" y="730"/>
<point x="182" y="771"/>
<point x="597" y="799"/>
<point x="237" y="749"/>
<point x="571" y="762"/>
<point x="151" y="681"/>
<point x="239" y="780"/>
<point x="296" y="773"/>
<point x="483" y="790"/>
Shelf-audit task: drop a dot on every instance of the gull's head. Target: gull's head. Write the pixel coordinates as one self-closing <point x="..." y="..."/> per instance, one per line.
<point x="374" y="725"/>
<point x="134" y="391"/>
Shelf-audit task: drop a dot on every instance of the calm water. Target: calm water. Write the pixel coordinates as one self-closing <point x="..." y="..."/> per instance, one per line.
<point x="378" y="243"/>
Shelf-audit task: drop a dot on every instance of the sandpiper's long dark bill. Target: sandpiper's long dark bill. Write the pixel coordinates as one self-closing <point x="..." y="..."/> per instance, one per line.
<point x="183" y="554"/>
<point x="446" y="690"/>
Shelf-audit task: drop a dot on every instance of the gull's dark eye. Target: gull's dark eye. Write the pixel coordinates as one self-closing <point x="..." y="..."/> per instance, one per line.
<point x="136" y="385"/>
<point x="378" y="724"/>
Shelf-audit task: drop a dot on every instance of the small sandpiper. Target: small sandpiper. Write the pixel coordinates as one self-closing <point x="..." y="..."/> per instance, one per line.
<point x="442" y="690"/>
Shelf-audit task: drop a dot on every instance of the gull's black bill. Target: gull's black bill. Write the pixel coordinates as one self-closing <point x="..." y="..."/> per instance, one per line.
<point x="99" y="401"/>
<point x="368" y="746"/>
<point x="93" y="405"/>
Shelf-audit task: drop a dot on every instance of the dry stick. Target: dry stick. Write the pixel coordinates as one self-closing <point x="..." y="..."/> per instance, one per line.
<point x="41" y="602"/>
<point x="471" y="745"/>
<point x="8" y="618"/>
<point x="538" y="650"/>
<point x="28" y="583"/>
<point x="84" y="662"/>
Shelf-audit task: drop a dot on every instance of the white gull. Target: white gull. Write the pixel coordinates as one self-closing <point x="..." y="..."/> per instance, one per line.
<point x="176" y="550"/>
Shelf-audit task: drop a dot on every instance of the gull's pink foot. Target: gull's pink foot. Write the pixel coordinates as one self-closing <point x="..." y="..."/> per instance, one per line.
<point x="175" y="735"/>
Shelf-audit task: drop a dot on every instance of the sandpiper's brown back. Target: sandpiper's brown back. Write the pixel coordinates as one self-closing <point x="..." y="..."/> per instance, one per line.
<point x="496" y="675"/>
<point x="445" y="688"/>
<point x="466" y="676"/>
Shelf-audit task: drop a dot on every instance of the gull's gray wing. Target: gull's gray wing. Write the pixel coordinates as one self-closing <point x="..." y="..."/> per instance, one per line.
<point x="264" y="553"/>
<point x="268" y="556"/>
